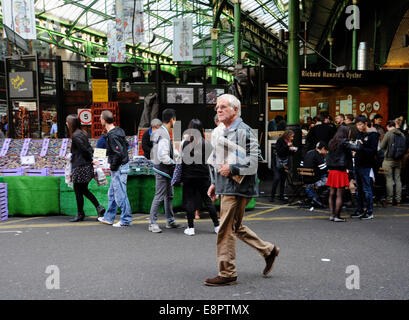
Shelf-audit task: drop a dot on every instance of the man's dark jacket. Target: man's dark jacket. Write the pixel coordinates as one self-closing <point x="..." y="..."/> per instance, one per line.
<point x="117" y="148"/>
<point x="366" y="155"/>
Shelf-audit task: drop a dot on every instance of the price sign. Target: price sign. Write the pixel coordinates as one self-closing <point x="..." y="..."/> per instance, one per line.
<point x="100" y="153"/>
<point x="27" y="160"/>
<point x="85" y="116"/>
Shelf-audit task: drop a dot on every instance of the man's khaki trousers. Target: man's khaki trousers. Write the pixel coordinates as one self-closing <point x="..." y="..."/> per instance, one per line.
<point x="231" y="215"/>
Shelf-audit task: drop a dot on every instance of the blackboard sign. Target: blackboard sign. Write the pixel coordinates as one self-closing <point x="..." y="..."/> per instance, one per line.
<point x="21" y="84"/>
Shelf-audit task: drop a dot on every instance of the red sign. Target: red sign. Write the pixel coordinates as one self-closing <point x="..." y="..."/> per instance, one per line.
<point x="85" y="116"/>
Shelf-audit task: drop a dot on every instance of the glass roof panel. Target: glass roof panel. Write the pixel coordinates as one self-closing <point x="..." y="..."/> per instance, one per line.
<point x="158" y="16"/>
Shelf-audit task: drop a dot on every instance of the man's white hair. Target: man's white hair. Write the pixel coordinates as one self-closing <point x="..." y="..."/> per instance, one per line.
<point x="156" y="122"/>
<point x="234" y="102"/>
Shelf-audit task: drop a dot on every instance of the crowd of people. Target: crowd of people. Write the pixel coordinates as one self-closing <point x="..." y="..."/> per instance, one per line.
<point x="352" y="159"/>
<point x="202" y="184"/>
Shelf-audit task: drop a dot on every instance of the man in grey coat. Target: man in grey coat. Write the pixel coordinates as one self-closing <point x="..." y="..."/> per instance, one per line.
<point x="393" y="166"/>
<point x="236" y="183"/>
<point x="163" y="163"/>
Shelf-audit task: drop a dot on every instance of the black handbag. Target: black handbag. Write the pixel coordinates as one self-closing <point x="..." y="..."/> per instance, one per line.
<point x="281" y="163"/>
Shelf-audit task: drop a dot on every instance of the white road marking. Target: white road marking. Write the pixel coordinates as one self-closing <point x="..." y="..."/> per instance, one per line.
<point x="13" y="231"/>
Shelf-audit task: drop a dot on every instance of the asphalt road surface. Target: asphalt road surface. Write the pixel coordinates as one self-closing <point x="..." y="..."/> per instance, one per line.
<point x="319" y="259"/>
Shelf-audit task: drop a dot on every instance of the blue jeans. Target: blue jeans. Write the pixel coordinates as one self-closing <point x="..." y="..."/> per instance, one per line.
<point x="364" y="189"/>
<point x="117" y="196"/>
<point x="310" y="189"/>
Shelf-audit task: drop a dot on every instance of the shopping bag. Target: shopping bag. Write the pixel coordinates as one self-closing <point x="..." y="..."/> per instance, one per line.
<point x="100" y="177"/>
<point x="68" y="172"/>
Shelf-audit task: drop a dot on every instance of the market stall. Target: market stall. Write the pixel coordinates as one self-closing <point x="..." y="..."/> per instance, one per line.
<point x="33" y="170"/>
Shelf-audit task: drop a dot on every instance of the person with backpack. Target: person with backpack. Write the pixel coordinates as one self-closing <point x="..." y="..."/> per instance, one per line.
<point x="118" y="159"/>
<point x="394" y="146"/>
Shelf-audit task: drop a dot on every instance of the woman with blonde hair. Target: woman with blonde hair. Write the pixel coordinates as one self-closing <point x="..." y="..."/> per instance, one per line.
<point x="284" y="146"/>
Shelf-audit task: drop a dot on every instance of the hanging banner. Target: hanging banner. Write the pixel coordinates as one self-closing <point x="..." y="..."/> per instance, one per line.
<point x="116" y="48"/>
<point x="183" y="39"/>
<point x="133" y="9"/>
<point x="19" y="15"/>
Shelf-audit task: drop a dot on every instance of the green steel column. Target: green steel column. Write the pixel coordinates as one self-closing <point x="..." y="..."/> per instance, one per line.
<point x="374" y="40"/>
<point x="177" y="75"/>
<point x="293" y="95"/>
<point x="120" y="74"/>
<point x="88" y="48"/>
<point x="237" y="44"/>
<point x="354" y="41"/>
<point x="331" y="42"/>
<point x="214" y="35"/>
<point x="119" y="79"/>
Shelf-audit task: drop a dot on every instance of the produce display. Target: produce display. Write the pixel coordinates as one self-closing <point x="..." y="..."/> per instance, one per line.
<point x="49" y="156"/>
<point x="3" y="202"/>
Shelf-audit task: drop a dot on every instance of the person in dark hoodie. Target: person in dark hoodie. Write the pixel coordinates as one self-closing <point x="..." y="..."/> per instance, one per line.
<point x="315" y="159"/>
<point x="322" y="131"/>
<point x="117" y="152"/>
<point x="367" y="144"/>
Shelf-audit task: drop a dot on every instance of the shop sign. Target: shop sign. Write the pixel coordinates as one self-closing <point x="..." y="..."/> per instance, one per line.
<point x="100" y="90"/>
<point x="21" y="84"/>
<point x="349" y="75"/>
<point x="29" y="106"/>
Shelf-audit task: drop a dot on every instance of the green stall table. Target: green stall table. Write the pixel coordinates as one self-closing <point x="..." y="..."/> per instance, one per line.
<point x="32" y="196"/>
<point x="140" y="190"/>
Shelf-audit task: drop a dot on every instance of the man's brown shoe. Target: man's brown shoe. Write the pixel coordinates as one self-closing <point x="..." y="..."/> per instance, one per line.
<point x="270" y="260"/>
<point x="220" y="281"/>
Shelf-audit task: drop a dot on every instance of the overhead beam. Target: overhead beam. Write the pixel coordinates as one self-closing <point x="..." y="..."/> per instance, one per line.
<point x="80" y="16"/>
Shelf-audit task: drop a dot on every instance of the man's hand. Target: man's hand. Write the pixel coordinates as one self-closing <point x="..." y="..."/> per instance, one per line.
<point x="211" y="192"/>
<point x="225" y="170"/>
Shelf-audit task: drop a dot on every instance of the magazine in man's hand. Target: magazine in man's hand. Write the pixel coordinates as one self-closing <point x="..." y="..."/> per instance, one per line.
<point x="238" y="179"/>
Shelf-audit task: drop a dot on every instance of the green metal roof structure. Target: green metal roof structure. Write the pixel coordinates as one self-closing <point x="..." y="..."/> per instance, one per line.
<point x="81" y="26"/>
